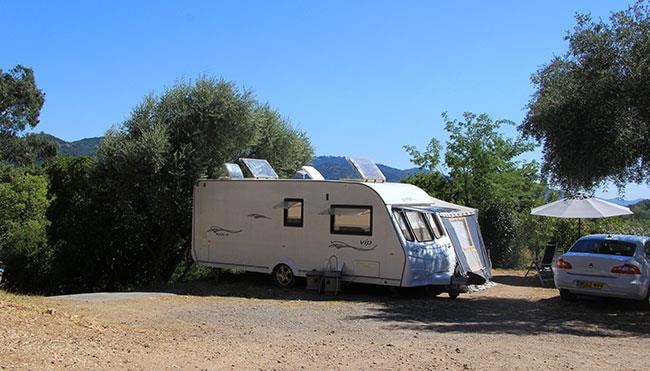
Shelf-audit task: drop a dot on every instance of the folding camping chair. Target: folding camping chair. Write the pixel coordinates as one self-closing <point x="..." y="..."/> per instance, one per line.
<point x="544" y="266"/>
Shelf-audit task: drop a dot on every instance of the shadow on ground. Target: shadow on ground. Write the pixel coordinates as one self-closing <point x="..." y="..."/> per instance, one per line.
<point x="417" y="311"/>
<point x="586" y="317"/>
<point x="260" y="286"/>
<point x="520" y="281"/>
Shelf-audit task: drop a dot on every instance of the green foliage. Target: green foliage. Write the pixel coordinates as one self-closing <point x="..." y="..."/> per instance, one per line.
<point x="428" y="159"/>
<point x="641" y="210"/>
<point x="20" y="101"/>
<point x="564" y="231"/>
<point x="20" y="105"/>
<point x="483" y="164"/>
<point x="27" y="150"/>
<point x="124" y="219"/>
<point x="23" y="190"/>
<point x="285" y="148"/>
<point x="617" y="225"/>
<point x="128" y="215"/>
<point x="194" y="273"/>
<point x="592" y="106"/>
<point x="498" y="224"/>
<point x="485" y="173"/>
<point x="23" y="240"/>
<point x="78" y="231"/>
<point x="531" y="234"/>
<point x="150" y="167"/>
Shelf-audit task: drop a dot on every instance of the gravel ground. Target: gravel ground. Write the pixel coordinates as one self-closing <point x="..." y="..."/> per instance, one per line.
<point x="243" y="322"/>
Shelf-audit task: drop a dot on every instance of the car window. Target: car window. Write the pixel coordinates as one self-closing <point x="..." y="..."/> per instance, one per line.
<point x="647" y="249"/>
<point x="607" y="247"/>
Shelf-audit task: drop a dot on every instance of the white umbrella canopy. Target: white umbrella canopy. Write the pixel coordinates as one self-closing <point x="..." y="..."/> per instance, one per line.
<point x="581" y="207"/>
<point x="588" y="208"/>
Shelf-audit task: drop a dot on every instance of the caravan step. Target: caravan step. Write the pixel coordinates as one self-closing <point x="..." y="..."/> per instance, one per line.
<point x="327" y="282"/>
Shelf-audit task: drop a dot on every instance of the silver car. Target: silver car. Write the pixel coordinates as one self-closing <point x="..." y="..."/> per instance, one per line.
<point x="605" y="265"/>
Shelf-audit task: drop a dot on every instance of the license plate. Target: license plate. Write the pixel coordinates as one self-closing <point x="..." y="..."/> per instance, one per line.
<point x="590" y="285"/>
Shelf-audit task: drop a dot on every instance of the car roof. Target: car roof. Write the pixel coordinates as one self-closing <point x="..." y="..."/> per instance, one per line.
<point x="619" y="237"/>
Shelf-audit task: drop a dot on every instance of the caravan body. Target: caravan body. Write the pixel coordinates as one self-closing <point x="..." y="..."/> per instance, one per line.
<point x="371" y="232"/>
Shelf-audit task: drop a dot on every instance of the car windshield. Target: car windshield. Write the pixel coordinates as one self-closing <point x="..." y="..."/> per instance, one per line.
<point x="608" y="247"/>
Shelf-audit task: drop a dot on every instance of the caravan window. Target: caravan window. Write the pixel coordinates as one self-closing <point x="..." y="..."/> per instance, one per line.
<point x="351" y="220"/>
<point x="401" y="222"/>
<point x="419" y="226"/>
<point x="293" y="212"/>
<point x="433" y="223"/>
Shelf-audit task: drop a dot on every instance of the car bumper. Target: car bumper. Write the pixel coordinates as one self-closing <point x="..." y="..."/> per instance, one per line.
<point x="617" y="287"/>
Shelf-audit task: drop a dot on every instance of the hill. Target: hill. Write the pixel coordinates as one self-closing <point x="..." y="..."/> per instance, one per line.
<point x="77" y="148"/>
<point x="337" y="167"/>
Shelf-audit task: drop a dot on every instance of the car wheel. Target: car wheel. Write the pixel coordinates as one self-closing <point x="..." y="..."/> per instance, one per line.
<point x="567" y="295"/>
<point x="453" y="294"/>
<point x="283" y="276"/>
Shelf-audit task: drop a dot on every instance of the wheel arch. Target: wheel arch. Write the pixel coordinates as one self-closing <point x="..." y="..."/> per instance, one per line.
<point x="289" y="262"/>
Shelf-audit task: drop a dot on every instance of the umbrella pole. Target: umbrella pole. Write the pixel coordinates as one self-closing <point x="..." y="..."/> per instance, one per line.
<point x="579" y="227"/>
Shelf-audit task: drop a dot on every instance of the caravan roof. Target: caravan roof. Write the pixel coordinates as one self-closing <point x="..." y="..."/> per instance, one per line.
<point x="408" y="194"/>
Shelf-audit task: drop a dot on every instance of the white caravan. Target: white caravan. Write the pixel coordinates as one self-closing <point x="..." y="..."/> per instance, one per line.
<point x="368" y="231"/>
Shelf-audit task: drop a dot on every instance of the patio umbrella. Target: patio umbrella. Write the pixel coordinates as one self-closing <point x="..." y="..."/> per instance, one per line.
<point x="581" y="207"/>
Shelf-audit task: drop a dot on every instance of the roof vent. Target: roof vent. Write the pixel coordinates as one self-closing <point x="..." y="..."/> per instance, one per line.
<point x="367" y="169"/>
<point x="233" y="171"/>
<point x="308" y="172"/>
<point x="257" y="168"/>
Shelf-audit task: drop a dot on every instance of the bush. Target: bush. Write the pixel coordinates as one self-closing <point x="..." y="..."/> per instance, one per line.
<point x="23" y="239"/>
<point x="498" y="230"/>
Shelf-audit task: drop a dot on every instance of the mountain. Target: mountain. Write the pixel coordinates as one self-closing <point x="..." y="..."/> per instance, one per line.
<point x="395" y="175"/>
<point x="333" y="167"/>
<point x="337" y="167"/>
<point x="77" y="148"/>
<point x="82" y="147"/>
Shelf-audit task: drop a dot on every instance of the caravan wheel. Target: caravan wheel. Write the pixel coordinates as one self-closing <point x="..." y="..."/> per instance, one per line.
<point x="283" y="276"/>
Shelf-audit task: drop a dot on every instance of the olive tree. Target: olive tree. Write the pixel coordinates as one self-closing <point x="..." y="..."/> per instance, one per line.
<point x="147" y="167"/>
<point x="591" y="107"/>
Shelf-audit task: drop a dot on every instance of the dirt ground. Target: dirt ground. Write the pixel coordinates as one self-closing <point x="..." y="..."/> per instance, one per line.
<point x="244" y="322"/>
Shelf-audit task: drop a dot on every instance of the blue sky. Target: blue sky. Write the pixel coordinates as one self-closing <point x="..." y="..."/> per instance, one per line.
<point x="360" y="77"/>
